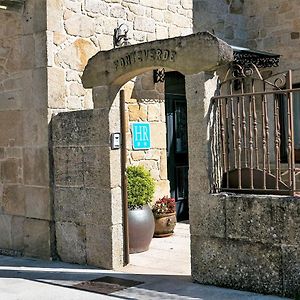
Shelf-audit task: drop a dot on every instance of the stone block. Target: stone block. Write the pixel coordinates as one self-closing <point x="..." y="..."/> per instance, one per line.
<point x="144" y="24"/>
<point x="17" y="233"/>
<point x="116" y="206"/>
<point x="99" y="246"/>
<point x="80" y="26"/>
<point x="117" y="11"/>
<point x="77" y="54"/>
<point x="28" y="51"/>
<point x="55" y="16"/>
<point x="11" y="170"/>
<point x="37" y="238"/>
<point x="36" y="166"/>
<point x="235" y="264"/>
<point x="154" y="113"/>
<point x="12" y="121"/>
<point x="291" y="221"/>
<point x="96" y="166"/>
<point x="163" y="166"/>
<point x="162" y="188"/>
<point x="13" y="202"/>
<point x="207" y="215"/>
<point x="136" y="113"/>
<point x="40" y="50"/>
<point x="88" y="127"/>
<point x="37" y="202"/>
<point x="161" y="32"/>
<point x="291" y="270"/>
<point x="12" y="99"/>
<point x="158" y="130"/>
<point x="5" y="232"/>
<point x="138" y="155"/>
<point x="70" y="239"/>
<point x="255" y="218"/>
<point x="115" y="168"/>
<point x="35" y="128"/>
<point x="57" y="91"/>
<point x="68" y="166"/>
<point x="98" y="206"/>
<point x="97" y="7"/>
<point x="117" y="249"/>
<point x="70" y="205"/>
<point x="76" y="89"/>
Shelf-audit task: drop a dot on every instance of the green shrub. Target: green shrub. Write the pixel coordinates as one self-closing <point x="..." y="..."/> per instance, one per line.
<point x="140" y="187"/>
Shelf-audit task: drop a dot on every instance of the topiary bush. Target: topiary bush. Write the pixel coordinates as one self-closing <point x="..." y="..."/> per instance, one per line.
<point x="140" y="187"/>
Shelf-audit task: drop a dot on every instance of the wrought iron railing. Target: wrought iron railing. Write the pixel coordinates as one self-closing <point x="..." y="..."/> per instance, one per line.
<point x="255" y="133"/>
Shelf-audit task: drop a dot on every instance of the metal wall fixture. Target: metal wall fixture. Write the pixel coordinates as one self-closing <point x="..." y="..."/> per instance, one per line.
<point x="158" y="75"/>
<point x="120" y="36"/>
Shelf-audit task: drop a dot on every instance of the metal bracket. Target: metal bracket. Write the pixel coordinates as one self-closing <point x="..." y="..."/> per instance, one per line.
<point x="158" y="75"/>
<point x="120" y="36"/>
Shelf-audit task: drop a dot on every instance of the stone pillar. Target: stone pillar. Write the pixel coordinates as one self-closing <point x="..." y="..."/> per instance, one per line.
<point x="87" y="186"/>
<point x="199" y="90"/>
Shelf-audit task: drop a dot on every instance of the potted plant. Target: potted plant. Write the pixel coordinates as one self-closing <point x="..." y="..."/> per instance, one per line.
<point x="164" y="211"/>
<point x="140" y="190"/>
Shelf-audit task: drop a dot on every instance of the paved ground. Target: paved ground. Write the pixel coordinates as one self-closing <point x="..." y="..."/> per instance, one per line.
<point x="33" y="279"/>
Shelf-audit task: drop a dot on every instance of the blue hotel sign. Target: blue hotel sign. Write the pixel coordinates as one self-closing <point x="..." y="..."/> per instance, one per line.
<point x="141" y="139"/>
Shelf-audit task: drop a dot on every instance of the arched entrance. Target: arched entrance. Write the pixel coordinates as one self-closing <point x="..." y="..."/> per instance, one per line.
<point x="89" y="140"/>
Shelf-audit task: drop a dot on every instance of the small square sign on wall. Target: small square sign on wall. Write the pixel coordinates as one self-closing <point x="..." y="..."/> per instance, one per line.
<point x="141" y="136"/>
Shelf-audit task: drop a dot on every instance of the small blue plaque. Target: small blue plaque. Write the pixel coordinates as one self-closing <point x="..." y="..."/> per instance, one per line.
<point x="141" y="138"/>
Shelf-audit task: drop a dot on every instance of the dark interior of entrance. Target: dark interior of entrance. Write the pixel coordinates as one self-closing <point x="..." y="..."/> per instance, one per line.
<point x="177" y="142"/>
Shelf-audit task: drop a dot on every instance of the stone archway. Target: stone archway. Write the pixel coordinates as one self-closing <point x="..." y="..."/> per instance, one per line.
<point x="87" y="144"/>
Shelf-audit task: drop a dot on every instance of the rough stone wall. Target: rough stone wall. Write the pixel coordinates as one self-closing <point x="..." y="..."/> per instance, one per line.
<point x="275" y="27"/>
<point x="24" y="172"/>
<point x="248" y="242"/>
<point x="87" y="193"/>
<point x="145" y="103"/>
<point x="264" y="25"/>
<point x="224" y="18"/>
<point x="79" y="29"/>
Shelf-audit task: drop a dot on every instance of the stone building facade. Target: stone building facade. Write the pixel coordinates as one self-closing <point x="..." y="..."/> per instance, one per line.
<point x="52" y="147"/>
<point x="45" y="46"/>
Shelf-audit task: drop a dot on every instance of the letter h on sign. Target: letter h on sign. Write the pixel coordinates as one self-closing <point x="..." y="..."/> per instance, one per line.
<point x="141" y="139"/>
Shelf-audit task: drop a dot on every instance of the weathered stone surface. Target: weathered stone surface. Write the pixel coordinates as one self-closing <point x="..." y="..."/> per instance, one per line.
<point x="12" y="122"/>
<point x="70" y="240"/>
<point x="237" y="264"/>
<point x="96" y="161"/>
<point x="83" y="205"/>
<point x="37" y="202"/>
<point x="255" y="218"/>
<point x="82" y="26"/>
<point x="57" y="91"/>
<point x="97" y="7"/>
<point x="76" y="55"/>
<point x="157" y="131"/>
<point x="291" y="270"/>
<point x="37" y="238"/>
<point x="17" y="233"/>
<point x="88" y="127"/>
<point x="68" y="166"/>
<point x="35" y="164"/>
<point x="10" y="170"/>
<point x="137" y="112"/>
<point x="13" y="202"/>
<point x="178" y="51"/>
<point x="99" y="238"/>
<point x="5" y="232"/>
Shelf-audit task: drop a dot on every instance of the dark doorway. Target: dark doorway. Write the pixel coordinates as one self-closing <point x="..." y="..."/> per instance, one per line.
<point x="177" y="142"/>
<point x="283" y="114"/>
